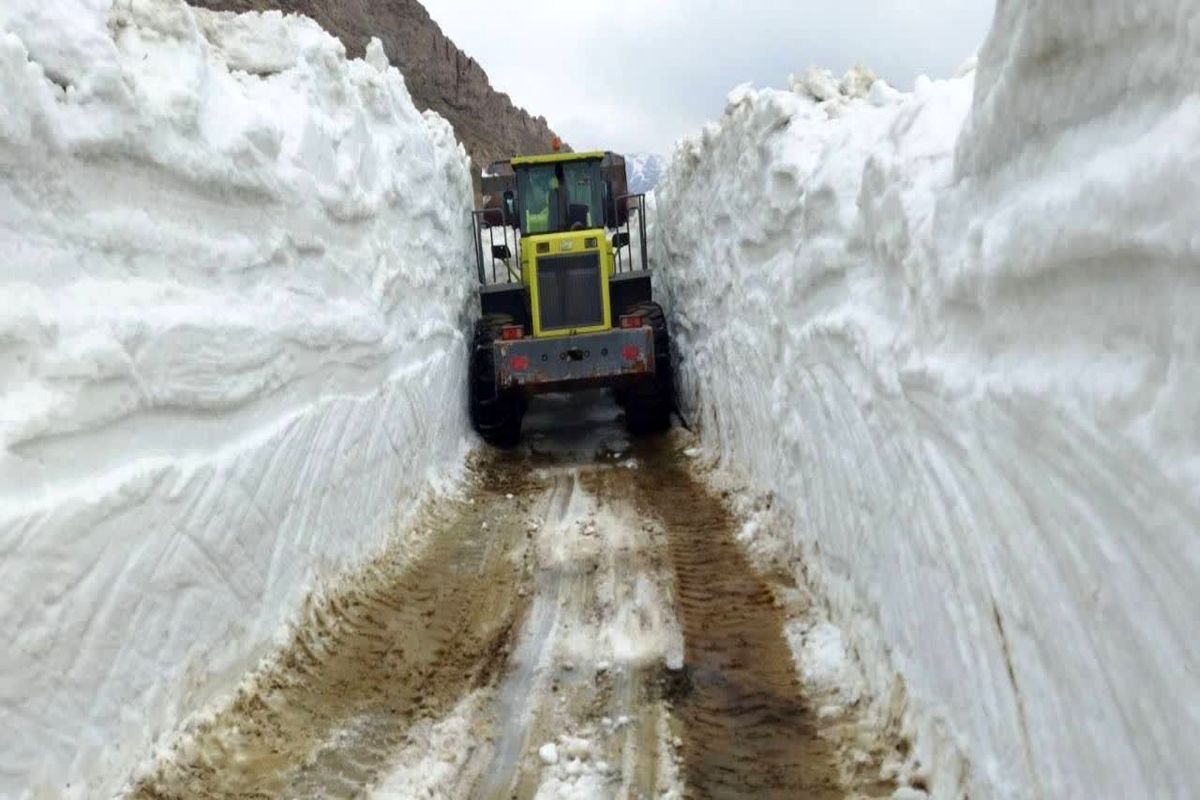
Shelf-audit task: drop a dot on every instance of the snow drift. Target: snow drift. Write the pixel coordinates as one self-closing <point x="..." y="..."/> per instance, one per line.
<point x="954" y="332"/>
<point x="233" y="292"/>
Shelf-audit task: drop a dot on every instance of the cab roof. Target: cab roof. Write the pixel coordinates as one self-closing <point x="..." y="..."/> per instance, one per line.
<point x="558" y="158"/>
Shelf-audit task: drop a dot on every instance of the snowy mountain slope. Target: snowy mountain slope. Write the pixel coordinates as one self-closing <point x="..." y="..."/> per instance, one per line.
<point x="644" y="170"/>
<point x="231" y="354"/>
<point x="954" y="333"/>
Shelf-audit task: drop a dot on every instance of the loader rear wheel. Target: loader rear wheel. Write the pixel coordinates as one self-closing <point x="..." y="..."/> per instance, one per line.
<point x="648" y="405"/>
<point x="496" y="416"/>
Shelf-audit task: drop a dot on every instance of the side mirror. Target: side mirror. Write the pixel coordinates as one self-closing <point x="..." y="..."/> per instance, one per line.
<point x="501" y="252"/>
<point x="510" y="208"/>
<point x="620" y="240"/>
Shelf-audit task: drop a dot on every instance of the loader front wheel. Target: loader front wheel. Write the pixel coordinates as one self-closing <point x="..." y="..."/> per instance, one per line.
<point x="496" y="416"/>
<point x="648" y="405"/>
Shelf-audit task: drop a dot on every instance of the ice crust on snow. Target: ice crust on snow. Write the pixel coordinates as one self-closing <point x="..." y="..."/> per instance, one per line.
<point x="231" y="354"/>
<point x="954" y="332"/>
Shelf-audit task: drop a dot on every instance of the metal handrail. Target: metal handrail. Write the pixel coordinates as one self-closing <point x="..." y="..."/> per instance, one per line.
<point x="641" y="215"/>
<point x="478" y="224"/>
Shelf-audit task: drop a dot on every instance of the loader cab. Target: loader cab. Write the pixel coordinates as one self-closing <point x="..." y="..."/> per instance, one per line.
<point x="555" y="249"/>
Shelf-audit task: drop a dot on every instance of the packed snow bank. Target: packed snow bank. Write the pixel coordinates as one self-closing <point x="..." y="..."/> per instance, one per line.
<point x="968" y="366"/>
<point x="234" y="285"/>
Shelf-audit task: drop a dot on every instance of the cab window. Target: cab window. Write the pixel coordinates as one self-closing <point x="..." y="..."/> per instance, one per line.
<point x="538" y="187"/>
<point x="560" y="197"/>
<point x="583" y="194"/>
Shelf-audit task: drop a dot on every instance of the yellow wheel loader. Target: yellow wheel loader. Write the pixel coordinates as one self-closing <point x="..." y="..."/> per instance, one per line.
<point x="565" y="294"/>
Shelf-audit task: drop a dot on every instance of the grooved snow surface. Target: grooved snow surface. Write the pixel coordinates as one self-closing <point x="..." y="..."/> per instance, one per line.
<point x="233" y="289"/>
<point x="968" y="365"/>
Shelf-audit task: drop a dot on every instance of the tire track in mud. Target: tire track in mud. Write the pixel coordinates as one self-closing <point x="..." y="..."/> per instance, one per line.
<point x="738" y="705"/>
<point x="584" y="672"/>
<point x="573" y="596"/>
<point x="404" y="639"/>
<point x="634" y="689"/>
<point x="514" y="707"/>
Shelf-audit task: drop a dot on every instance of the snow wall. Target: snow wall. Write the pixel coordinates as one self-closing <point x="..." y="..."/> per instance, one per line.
<point x="955" y="332"/>
<point x="236" y="274"/>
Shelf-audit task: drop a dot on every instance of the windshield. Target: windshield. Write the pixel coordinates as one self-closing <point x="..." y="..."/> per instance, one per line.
<point x="560" y="197"/>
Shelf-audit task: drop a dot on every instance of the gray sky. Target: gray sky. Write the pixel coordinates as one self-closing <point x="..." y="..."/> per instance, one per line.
<point x="635" y="75"/>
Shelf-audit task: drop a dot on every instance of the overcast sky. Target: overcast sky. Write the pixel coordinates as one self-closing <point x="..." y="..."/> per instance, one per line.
<point x="635" y="75"/>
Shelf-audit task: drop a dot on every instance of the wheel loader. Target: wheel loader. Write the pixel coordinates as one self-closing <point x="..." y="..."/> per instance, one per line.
<point x="565" y="294"/>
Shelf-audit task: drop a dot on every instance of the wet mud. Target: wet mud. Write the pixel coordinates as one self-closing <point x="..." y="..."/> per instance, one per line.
<point x="585" y="592"/>
<point x="404" y="640"/>
<point x="746" y="728"/>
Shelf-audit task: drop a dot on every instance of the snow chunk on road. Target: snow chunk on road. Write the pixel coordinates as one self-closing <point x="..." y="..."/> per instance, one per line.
<point x="230" y="352"/>
<point x="819" y="650"/>
<point x="573" y="771"/>
<point x="548" y="753"/>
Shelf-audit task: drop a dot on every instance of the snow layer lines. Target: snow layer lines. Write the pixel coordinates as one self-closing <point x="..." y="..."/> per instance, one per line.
<point x="955" y="333"/>
<point x="232" y="299"/>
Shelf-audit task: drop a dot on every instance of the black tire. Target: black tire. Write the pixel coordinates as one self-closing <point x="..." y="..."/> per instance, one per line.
<point x="648" y="405"/>
<point x="495" y="416"/>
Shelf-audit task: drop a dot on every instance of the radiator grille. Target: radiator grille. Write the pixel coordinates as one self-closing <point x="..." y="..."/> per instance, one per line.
<point x="569" y="291"/>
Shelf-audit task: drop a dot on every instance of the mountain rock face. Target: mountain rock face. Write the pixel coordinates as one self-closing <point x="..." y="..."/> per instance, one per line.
<point x="440" y="77"/>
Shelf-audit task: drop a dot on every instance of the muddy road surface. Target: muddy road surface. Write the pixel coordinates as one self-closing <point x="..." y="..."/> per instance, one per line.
<point x="579" y="622"/>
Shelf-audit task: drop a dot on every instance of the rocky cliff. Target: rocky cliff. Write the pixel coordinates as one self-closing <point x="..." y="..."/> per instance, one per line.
<point x="440" y="77"/>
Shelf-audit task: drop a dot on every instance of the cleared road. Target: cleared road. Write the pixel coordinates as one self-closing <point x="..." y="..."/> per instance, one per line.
<point x="580" y="623"/>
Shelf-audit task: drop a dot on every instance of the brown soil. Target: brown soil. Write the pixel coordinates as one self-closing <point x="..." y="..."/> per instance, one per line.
<point x="407" y="639"/>
<point x="745" y="726"/>
<point x="412" y="634"/>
